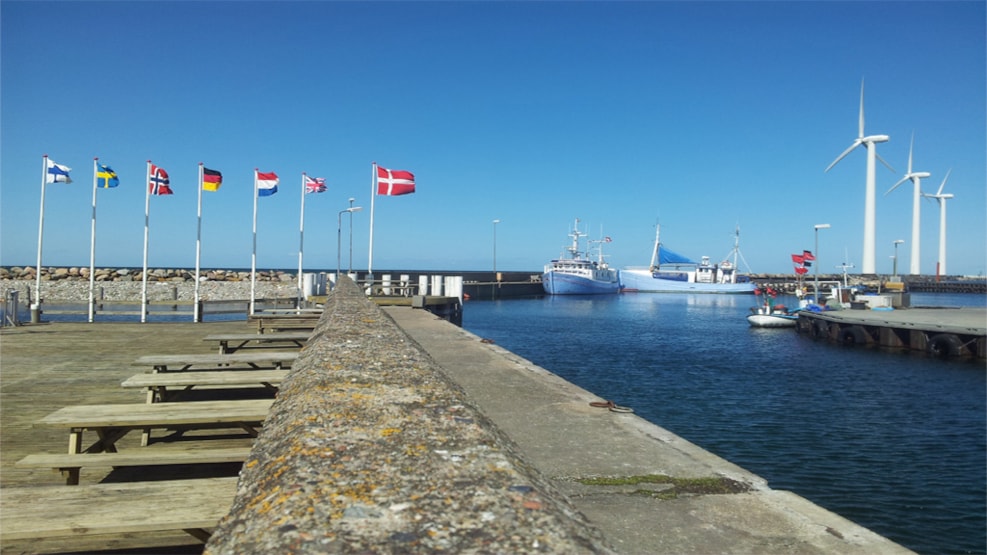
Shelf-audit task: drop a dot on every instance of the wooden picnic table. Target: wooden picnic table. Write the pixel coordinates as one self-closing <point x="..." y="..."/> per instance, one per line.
<point x="213" y="361"/>
<point x="112" y="422"/>
<point x="279" y="322"/>
<point x="158" y="383"/>
<point x="232" y="342"/>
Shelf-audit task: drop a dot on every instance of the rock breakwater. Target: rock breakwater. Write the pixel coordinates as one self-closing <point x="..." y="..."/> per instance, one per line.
<point x="71" y="284"/>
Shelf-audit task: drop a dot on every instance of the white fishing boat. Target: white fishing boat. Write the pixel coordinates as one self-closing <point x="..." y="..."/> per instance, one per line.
<point x="574" y="273"/>
<point x="671" y="272"/>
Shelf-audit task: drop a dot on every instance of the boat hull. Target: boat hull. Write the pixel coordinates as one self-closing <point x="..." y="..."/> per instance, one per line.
<point x="772" y="320"/>
<point x="644" y="281"/>
<point x="559" y="283"/>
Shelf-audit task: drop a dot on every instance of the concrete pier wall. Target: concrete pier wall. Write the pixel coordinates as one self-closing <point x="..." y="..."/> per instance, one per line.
<point x="370" y="448"/>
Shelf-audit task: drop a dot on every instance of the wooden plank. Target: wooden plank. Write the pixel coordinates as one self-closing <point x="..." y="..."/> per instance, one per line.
<point x="124" y="508"/>
<point x="183" y="379"/>
<point x="230" y="343"/>
<point x="170" y="363"/>
<point x="136" y="457"/>
<point x="159" y="383"/>
<point x="158" y="415"/>
<point x="287" y="336"/>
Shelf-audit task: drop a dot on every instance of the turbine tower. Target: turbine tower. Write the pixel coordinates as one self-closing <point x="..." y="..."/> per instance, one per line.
<point x="870" y="210"/>
<point x="916" y="178"/>
<point x="941" y="199"/>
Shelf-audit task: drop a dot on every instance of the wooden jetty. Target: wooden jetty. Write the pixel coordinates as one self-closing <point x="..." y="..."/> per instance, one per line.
<point x="940" y="332"/>
<point x="177" y="487"/>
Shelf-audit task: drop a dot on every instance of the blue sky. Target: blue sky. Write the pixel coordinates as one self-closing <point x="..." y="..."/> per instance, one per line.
<point x="699" y="115"/>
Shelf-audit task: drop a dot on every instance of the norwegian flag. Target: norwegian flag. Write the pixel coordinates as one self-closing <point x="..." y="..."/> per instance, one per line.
<point x="158" y="181"/>
<point x="315" y="184"/>
<point x="808" y="256"/>
<point x="394" y="182"/>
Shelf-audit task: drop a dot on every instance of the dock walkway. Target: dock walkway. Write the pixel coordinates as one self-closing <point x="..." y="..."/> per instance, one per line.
<point x="945" y="332"/>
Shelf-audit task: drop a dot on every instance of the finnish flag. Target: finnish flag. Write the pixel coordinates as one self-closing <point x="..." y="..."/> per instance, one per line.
<point x="57" y="173"/>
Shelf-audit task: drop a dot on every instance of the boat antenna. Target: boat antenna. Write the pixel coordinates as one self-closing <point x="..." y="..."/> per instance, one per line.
<point x="844" y="266"/>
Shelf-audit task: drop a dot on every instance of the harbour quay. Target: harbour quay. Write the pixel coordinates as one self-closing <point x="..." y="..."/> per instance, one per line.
<point x="393" y="431"/>
<point x="939" y="332"/>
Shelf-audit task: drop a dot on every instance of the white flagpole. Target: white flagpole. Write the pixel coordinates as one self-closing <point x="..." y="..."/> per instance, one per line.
<point x="147" y="206"/>
<point x="41" y="227"/>
<point x="253" y="256"/>
<point x="373" y="195"/>
<point x="92" y="245"/>
<point x="301" y="242"/>
<point x="198" y="249"/>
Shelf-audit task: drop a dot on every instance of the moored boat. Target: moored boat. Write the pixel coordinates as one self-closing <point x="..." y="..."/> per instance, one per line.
<point x="671" y="272"/>
<point x="771" y="315"/>
<point x="574" y="273"/>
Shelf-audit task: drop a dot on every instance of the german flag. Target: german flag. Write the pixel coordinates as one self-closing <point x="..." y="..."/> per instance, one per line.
<point x="211" y="180"/>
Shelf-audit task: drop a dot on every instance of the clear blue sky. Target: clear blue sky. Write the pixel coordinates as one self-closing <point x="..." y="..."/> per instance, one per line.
<point x="700" y="116"/>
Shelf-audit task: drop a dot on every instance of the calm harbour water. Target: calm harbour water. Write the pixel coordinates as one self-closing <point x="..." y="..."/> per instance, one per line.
<point x="896" y="442"/>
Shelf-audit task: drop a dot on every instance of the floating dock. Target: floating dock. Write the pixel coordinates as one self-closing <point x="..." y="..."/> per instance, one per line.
<point x="940" y="332"/>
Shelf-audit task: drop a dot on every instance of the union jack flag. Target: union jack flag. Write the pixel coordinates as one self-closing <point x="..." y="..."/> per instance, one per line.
<point x="315" y="184"/>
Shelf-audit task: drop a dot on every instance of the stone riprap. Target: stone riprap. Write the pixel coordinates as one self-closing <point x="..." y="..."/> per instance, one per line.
<point x="71" y="285"/>
<point x="369" y="448"/>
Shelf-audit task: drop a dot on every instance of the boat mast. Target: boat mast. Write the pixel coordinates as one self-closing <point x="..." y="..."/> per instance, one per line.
<point x="654" y="253"/>
<point x="574" y="248"/>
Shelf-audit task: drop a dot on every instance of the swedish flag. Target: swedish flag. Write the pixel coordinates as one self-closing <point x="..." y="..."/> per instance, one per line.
<point x="106" y="177"/>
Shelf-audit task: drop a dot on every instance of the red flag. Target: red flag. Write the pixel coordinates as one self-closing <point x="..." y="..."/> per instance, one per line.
<point x="798" y="258"/>
<point x="808" y="255"/>
<point x="394" y="182"/>
<point x="158" y="181"/>
<point x="800" y="270"/>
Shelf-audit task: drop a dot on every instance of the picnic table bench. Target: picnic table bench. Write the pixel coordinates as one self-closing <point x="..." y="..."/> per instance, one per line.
<point x="158" y="384"/>
<point x="281" y="322"/>
<point x="232" y="342"/>
<point x="213" y="361"/>
<point x="193" y="506"/>
<point x="112" y="422"/>
<point x="70" y="464"/>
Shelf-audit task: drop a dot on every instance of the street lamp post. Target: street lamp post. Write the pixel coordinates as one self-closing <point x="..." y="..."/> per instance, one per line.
<point x="495" y="222"/>
<point x="894" y="265"/>
<point x="350" y="271"/>
<point x="817" y="227"/>
<point x="339" y="234"/>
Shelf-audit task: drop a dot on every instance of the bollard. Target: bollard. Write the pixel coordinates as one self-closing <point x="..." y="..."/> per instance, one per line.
<point x="35" y="313"/>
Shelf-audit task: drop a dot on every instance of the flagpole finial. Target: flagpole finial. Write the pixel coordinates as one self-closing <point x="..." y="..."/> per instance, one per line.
<point x="148" y="161"/>
<point x="200" y="163"/>
<point x="95" y="157"/>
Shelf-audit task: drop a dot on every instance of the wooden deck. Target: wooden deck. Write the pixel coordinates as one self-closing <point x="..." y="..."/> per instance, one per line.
<point x="50" y="366"/>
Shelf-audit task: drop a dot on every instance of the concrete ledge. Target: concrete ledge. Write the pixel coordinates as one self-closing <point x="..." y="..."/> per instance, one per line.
<point x="370" y="448"/>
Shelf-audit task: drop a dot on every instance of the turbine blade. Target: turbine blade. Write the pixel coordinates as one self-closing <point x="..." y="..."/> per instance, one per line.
<point x="910" y="148"/>
<point x="882" y="160"/>
<point x="861" y="109"/>
<point x="939" y="192"/>
<point x="845" y="152"/>
<point x="895" y="186"/>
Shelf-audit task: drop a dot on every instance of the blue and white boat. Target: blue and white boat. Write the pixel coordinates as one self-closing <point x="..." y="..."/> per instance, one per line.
<point x="576" y="274"/>
<point x="671" y="272"/>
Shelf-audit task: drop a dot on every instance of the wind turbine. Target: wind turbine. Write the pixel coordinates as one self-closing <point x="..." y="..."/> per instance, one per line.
<point x="916" y="178"/>
<point x="869" y="264"/>
<point x="941" y="199"/>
